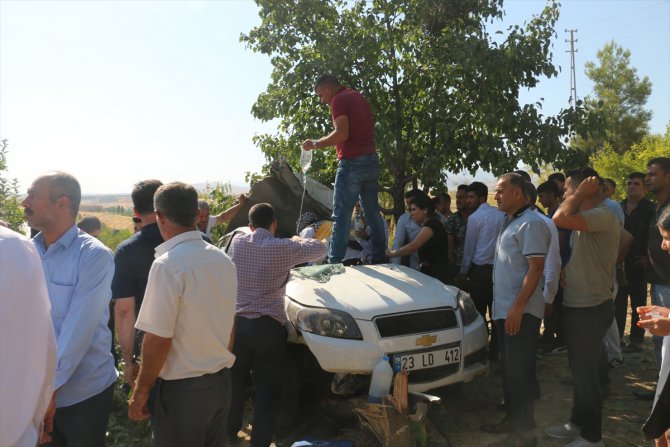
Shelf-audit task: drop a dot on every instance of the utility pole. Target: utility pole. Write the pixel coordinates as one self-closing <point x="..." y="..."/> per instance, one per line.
<point x="573" y="78"/>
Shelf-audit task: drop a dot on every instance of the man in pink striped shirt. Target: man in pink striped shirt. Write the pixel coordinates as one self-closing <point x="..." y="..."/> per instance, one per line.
<point x="263" y="263"/>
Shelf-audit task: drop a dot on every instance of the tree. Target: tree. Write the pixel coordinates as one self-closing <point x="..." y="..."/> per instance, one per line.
<point x="621" y="96"/>
<point x="609" y="163"/>
<point x="444" y="92"/>
<point x="10" y="205"/>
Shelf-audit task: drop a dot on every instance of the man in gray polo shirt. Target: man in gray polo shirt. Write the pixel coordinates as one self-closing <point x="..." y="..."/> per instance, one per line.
<point x="518" y="307"/>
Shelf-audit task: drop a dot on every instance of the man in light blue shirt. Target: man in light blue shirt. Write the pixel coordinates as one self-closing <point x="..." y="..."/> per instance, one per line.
<point x="484" y="225"/>
<point x="405" y="232"/>
<point x="78" y="270"/>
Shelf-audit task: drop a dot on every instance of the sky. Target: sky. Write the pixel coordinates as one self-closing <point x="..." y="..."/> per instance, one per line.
<point x="118" y="91"/>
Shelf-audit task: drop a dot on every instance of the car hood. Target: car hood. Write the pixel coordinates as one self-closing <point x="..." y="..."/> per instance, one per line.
<point x="365" y="292"/>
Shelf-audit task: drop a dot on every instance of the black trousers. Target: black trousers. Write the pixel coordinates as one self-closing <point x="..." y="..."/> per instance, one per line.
<point x="192" y="412"/>
<point x="481" y="292"/>
<point x="260" y="348"/>
<point x="83" y="424"/>
<point x="637" y="290"/>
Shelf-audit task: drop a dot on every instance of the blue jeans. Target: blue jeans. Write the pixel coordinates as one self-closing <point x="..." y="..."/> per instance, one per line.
<point x="356" y="179"/>
<point x="518" y="354"/>
<point x="585" y="328"/>
<point x="660" y="296"/>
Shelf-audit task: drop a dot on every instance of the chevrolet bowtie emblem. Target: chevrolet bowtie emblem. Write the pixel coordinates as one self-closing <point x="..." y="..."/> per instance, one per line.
<point x="426" y="340"/>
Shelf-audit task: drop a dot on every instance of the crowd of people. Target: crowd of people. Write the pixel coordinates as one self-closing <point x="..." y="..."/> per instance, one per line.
<point x="194" y="324"/>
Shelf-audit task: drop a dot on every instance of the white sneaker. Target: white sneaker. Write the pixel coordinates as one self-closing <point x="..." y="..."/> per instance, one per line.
<point x="565" y="431"/>
<point x="581" y="442"/>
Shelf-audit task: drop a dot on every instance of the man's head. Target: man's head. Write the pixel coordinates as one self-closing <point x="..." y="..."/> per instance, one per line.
<point x="477" y="194"/>
<point x="52" y="202"/>
<point x="462" y="198"/>
<point x="609" y="187"/>
<point x="326" y="86"/>
<point x="635" y="186"/>
<point x="409" y="195"/>
<point x="90" y="225"/>
<point x="262" y="215"/>
<point x="658" y="175"/>
<point x="442" y="202"/>
<point x="574" y="178"/>
<point x="530" y="193"/>
<point x="559" y="179"/>
<point x="548" y="194"/>
<point x="203" y="215"/>
<point x="510" y="195"/>
<point x="143" y="196"/>
<point x="176" y="206"/>
<point x="524" y="175"/>
<point x="664" y="228"/>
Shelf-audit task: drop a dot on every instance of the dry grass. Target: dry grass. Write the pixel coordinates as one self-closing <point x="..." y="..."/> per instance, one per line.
<point x="113" y="221"/>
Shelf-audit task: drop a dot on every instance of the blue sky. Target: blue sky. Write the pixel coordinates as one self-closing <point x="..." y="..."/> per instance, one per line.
<point x="118" y="91"/>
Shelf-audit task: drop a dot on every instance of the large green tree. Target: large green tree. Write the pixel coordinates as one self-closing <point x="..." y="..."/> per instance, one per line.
<point x="10" y="209"/>
<point x="621" y="96"/>
<point x="444" y="91"/>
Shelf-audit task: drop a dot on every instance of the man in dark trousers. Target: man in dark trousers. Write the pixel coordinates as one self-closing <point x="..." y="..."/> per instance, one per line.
<point x="263" y="262"/>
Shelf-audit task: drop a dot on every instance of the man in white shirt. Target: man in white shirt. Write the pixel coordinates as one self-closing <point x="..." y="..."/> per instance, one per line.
<point x="187" y="315"/>
<point x="405" y="232"/>
<point x="205" y="222"/>
<point x="25" y="311"/>
<point x="484" y="225"/>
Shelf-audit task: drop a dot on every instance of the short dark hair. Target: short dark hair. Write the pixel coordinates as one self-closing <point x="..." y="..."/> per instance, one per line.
<point x="136" y="219"/>
<point x="89" y="224"/>
<point x="478" y="188"/>
<point x="524" y="174"/>
<point x="262" y="215"/>
<point x="636" y="174"/>
<point x="579" y="175"/>
<point x="610" y="182"/>
<point x="143" y="195"/>
<point x="64" y="184"/>
<point x="413" y="193"/>
<point x="664" y="219"/>
<point x="203" y="205"/>
<point x="549" y="187"/>
<point x="556" y="176"/>
<point x="462" y="187"/>
<point x="327" y="79"/>
<point x="178" y="203"/>
<point x="424" y="202"/>
<point x="530" y="192"/>
<point x="663" y="162"/>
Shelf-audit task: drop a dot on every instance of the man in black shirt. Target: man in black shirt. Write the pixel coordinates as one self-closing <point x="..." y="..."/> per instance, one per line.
<point x="133" y="259"/>
<point x="658" y="182"/>
<point x="638" y="211"/>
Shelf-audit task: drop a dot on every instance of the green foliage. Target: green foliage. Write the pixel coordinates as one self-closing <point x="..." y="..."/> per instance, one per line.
<point x="10" y="205"/>
<point x="610" y="163"/>
<point x="220" y="198"/>
<point x="121" y="431"/>
<point x="444" y="92"/>
<point x="621" y="96"/>
<point x="112" y="237"/>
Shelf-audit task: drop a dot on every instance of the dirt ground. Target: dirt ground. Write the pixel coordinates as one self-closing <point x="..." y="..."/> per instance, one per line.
<point x="456" y="421"/>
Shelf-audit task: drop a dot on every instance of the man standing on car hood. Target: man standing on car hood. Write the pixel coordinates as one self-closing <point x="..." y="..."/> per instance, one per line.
<point x="358" y="167"/>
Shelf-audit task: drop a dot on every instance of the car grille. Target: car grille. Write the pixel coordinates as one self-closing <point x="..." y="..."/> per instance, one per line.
<point x="432" y="374"/>
<point x="416" y="322"/>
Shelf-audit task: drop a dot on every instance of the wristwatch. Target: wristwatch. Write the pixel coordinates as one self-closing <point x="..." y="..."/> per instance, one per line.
<point x="314" y="143"/>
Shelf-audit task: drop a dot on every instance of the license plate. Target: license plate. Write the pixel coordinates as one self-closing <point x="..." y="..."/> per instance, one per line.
<point x="431" y="359"/>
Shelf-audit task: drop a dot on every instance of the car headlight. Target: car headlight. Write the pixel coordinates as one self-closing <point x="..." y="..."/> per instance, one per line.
<point x="325" y="322"/>
<point x="468" y="309"/>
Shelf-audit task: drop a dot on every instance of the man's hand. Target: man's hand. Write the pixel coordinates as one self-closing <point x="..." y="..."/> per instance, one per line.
<point x="137" y="406"/>
<point x="563" y="281"/>
<point x="242" y="199"/>
<point x="130" y="371"/>
<point x="588" y="187"/>
<point x="663" y="440"/>
<point x="548" y="309"/>
<point x="48" y="427"/>
<point x="308" y="145"/>
<point x="513" y="320"/>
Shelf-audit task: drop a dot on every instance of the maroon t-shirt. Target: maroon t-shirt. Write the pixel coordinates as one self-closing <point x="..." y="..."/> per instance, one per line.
<point x="361" y="139"/>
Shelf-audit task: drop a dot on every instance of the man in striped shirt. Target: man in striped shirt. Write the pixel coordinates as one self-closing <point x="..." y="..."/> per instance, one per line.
<point x="263" y="263"/>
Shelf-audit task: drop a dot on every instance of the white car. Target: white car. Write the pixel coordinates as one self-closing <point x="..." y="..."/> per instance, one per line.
<point x="352" y="320"/>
